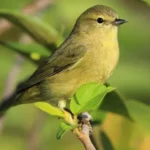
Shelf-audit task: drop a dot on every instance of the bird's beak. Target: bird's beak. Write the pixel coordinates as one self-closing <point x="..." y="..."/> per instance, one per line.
<point x="119" y="21"/>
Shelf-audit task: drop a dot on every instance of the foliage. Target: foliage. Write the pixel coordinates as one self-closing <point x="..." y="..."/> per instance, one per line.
<point x="42" y="33"/>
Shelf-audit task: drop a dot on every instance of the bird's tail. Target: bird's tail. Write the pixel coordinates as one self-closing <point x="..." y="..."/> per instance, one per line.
<point x="24" y="97"/>
<point x="7" y="103"/>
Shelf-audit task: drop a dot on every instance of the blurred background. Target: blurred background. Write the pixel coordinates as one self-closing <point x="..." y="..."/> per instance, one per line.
<point x="28" y="128"/>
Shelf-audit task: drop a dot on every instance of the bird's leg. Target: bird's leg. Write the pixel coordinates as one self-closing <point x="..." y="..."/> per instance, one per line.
<point x="85" y="118"/>
<point x="62" y="104"/>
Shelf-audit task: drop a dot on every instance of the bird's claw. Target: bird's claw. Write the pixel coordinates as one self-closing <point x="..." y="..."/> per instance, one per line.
<point x="85" y="118"/>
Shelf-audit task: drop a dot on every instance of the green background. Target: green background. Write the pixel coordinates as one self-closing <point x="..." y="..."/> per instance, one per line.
<point x="27" y="128"/>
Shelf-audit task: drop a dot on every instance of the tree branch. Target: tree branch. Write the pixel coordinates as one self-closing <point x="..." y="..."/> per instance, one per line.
<point x="84" y="130"/>
<point x="84" y="137"/>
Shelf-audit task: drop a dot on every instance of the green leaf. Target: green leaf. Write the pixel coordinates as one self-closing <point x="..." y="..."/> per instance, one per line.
<point x="110" y="89"/>
<point x="115" y="103"/>
<point x="105" y="141"/>
<point x="88" y="97"/>
<point x="63" y="128"/>
<point x="145" y="2"/>
<point x="46" y="107"/>
<point x="140" y="113"/>
<point x="44" y="34"/>
<point x="34" y="52"/>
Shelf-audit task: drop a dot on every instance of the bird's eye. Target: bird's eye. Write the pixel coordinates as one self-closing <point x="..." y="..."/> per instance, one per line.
<point x="100" y="20"/>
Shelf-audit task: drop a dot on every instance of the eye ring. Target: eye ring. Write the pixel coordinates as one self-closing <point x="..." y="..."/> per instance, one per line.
<point x="100" y="20"/>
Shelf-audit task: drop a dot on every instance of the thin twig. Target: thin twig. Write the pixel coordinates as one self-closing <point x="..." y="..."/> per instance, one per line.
<point x="84" y="137"/>
<point x="84" y="130"/>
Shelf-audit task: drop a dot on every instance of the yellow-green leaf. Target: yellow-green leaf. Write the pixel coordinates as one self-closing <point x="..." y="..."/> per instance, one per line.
<point x="46" y="107"/>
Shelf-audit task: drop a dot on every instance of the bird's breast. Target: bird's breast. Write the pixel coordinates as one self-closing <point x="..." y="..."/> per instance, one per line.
<point x="96" y="66"/>
<point x="100" y="61"/>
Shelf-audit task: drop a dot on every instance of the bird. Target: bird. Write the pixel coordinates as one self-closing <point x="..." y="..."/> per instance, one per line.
<point x="89" y="54"/>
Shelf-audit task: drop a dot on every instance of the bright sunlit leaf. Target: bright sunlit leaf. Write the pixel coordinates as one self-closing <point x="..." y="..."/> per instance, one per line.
<point x="46" y="107"/>
<point x="88" y="97"/>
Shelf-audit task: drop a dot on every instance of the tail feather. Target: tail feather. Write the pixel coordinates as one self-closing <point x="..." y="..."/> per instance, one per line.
<point x="27" y="96"/>
<point x="7" y="103"/>
<point x="10" y="101"/>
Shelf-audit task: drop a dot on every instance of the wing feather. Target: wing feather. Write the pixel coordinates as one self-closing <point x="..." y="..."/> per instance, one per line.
<point x="62" y="59"/>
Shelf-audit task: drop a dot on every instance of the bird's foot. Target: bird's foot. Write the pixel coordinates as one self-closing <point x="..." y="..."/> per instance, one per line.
<point x="85" y="118"/>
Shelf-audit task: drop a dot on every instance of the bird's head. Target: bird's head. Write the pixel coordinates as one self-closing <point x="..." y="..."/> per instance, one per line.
<point x="99" y="19"/>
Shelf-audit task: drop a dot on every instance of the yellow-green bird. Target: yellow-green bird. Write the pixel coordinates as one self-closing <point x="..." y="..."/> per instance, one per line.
<point x="89" y="54"/>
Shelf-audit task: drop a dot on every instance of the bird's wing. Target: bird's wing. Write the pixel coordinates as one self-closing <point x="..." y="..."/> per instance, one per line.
<point x="61" y="60"/>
